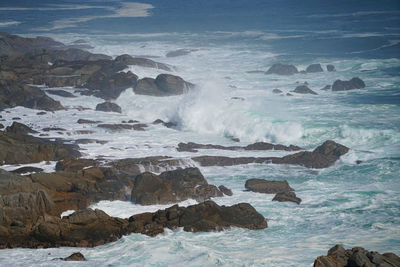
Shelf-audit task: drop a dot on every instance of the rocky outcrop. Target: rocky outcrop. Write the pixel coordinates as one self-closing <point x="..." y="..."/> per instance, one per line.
<point x="277" y="91"/>
<point x="20" y="149"/>
<point x="143" y="62"/>
<point x="354" y="83"/>
<point x="88" y="228"/>
<point x="192" y="147"/>
<point x="322" y="157"/>
<point x="172" y="187"/>
<point x="303" y="89"/>
<point x="313" y="68"/>
<point x="282" y="69"/>
<point x="356" y="257"/>
<point x="19" y="128"/>
<point x="12" y="95"/>
<point x="119" y="127"/>
<point x="108" y="107"/>
<point x="163" y="85"/>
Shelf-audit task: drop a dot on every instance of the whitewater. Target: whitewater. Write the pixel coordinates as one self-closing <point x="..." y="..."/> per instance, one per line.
<point x="353" y="203"/>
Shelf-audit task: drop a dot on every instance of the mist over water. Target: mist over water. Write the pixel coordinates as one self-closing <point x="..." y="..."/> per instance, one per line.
<point x="349" y="204"/>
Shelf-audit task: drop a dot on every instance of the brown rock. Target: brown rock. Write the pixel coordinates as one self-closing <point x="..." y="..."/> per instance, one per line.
<point x="77" y="256"/>
<point x="109" y="107"/>
<point x="268" y="187"/>
<point x="287" y="196"/>
<point x="225" y="190"/>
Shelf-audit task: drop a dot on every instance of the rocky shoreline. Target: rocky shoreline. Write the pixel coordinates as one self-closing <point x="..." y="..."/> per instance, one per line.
<point x="31" y="204"/>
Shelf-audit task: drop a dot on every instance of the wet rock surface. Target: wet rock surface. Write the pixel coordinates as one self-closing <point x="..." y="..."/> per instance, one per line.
<point x="356" y="257"/>
<point x="313" y="68"/>
<point x="354" y="83"/>
<point x="303" y="89"/>
<point x="192" y="147"/>
<point x="282" y="69"/>
<point x="268" y="187"/>
<point x="172" y="187"/>
<point x="323" y="156"/>
<point x="77" y="256"/>
<point x="163" y="85"/>
<point x="20" y="149"/>
<point x="108" y="107"/>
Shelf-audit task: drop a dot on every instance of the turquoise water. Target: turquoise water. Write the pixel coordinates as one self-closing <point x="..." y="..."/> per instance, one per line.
<point x="348" y="203"/>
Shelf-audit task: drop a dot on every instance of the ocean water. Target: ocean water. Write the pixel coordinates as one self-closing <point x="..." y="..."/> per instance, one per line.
<point x="349" y="204"/>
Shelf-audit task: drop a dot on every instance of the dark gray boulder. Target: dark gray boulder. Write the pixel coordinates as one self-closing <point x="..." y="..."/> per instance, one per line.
<point x="326" y="88"/>
<point x="354" y="83"/>
<point x="282" y="69"/>
<point x="313" y="68"/>
<point x="277" y="91"/>
<point x="225" y="190"/>
<point x="19" y="128"/>
<point x="303" y="89"/>
<point x="108" y="107"/>
<point x="330" y="68"/>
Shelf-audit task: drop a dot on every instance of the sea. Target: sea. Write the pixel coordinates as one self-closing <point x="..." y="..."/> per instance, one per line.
<point x="226" y="41"/>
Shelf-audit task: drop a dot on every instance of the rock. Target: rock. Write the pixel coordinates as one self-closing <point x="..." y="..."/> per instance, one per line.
<point x="313" y="68"/>
<point x="74" y="165"/>
<point x="118" y="127"/>
<point x="277" y="91"/>
<point x="13" y="95"/>
<point x="60" y="93"/>
<point x="330" y="68"/>
<point x="289" y="94"/>
<point x="22" y="149"/>
<point x="41" y="113"/>
<point x="172" y="187"/>
<point x="192" y="147"/>
<point x="354" y="83"/>
<point x="267" y="187"/>
<point x="172" y="85"/>
<point x="77" y="256"/>
<point x="303" y="89"/>
<point x="108" y="107"/>
<point x="356" y="257"/>
<point x="322" y="157"/>
<point x="1" y="126"/>
<point x="16" y="118"/>
<point x="288" y="196"/>
<point x="27" y="169"/>
<point x="179" y="52"/>
<point x="85" y="121"/>
<point x="48" y="129"/>
<point x="19" y="128"/>
<point x="163" y="85"/>
<point x="327" y="87"/>
<point x="282" y="69"/>
<point x="255" y="71"/>
<point x="143" y="62"/>
<point x="203" y="217"/>
<point x="225" y="190"/>
<point x="110" y="85"/>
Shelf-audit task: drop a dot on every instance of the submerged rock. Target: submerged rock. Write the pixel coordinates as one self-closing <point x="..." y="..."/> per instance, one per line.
<point x="354" y="83"/>
<point x="313" y="68"/>
<point x="108" y="107"/>
<point x="225" y="190"/>
<point x="77" y="256"/>
<point x="277" y="91"/>
<point x="326" y="87"/>
<point x="282" y="69"/>
<point x="303" y="89"/>
<point x="62" y="93"/>
<point x="179" y="52"/>
<point x="356" y="257"/>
